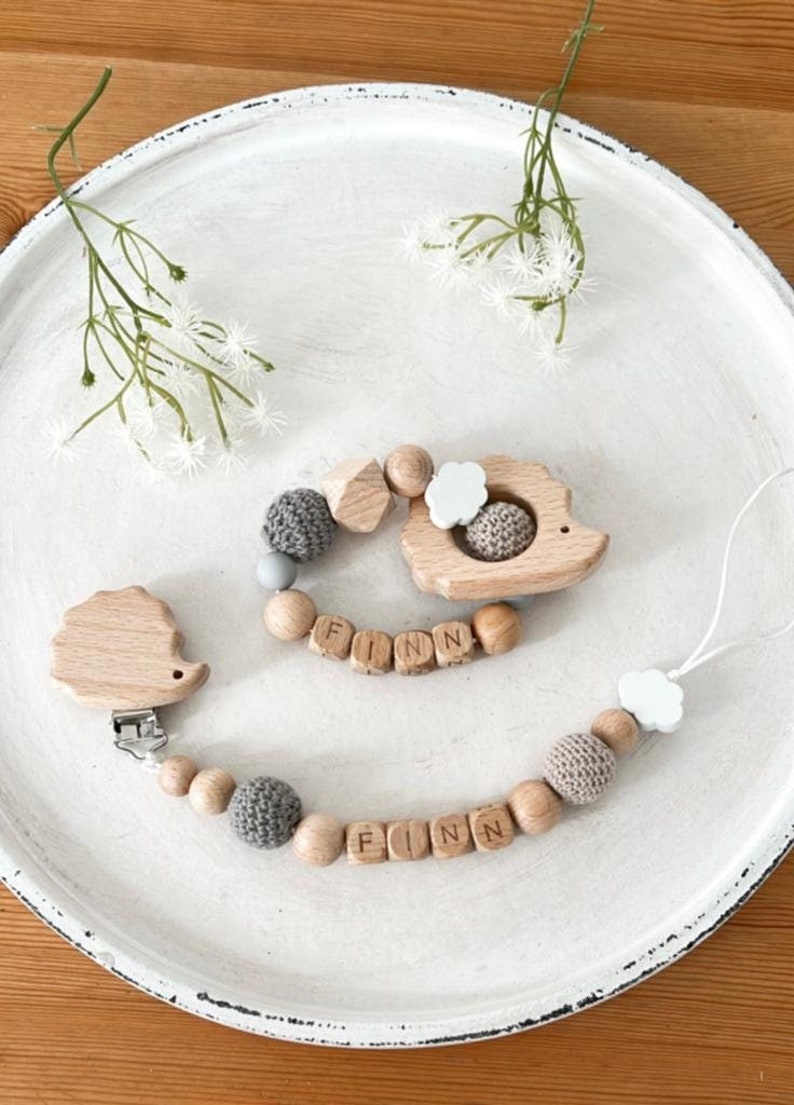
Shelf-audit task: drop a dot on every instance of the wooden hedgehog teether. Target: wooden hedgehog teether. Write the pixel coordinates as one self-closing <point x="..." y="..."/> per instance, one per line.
<point x="121" y="650"/>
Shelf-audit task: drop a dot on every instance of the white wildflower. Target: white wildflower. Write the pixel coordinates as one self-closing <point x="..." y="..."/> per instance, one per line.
<point x="449" y="269"/>
<point x="264" y="416"/>
<point x="142" y="416"/>
<point x="411" y="243"/>
<point x="184" y="323"/>
<point x="553" y="356"/>
<point x="231" y="457"/>
<point x="185" y="455"/>
<point x="523" y="265"/>
<point x="500" y="292"/>
<point x="560" y="260"/>
<point x="233" y="347"/>
<point x="181" y="380"/>
<point x="60" y="442"/>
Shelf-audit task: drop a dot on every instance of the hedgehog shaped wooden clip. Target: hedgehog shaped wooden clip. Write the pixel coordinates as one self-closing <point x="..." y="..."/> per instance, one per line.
<point x="556" y="551"/>
<point x="120" y="650"/>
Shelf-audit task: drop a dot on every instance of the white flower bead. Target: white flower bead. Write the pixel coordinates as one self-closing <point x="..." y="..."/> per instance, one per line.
<point x="456" y="493"/>
<point x="656" y="701"/>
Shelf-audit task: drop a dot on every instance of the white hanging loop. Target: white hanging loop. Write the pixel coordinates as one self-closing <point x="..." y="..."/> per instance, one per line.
<point x="654" y="697"/>
<point x="698" y="655"/>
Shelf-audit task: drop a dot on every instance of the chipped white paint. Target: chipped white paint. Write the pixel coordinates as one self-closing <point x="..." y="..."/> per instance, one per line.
<point x="285" y="211"/>
<point x="656" y="701"/>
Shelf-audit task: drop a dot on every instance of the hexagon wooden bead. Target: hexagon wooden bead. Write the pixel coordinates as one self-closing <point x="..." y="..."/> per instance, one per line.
<point x="357" y="495"/>
<point x="408" y="470"/>
<point x="617" y="728"/>
<point x="290" y="615"/>
<point x="535" y="806"/>
<point x="211" y="790"/>
<point x="497" y="627"/>
<point x="318" y="840"/>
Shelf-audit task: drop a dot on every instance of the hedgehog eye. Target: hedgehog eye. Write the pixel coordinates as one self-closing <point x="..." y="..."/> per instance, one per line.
<point x="177" y="674"/>
<point x="565" y="529"/>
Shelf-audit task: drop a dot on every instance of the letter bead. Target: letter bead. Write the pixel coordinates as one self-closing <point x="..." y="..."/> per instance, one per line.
<point x="414" y="653"/>
<point x="454" y="644"/>
<point x="371" y="652"/>
<point x="407" y="839"/>
<point x="491" y="827"/>
<point x="450" y="835"/>
<point x="332" y="636"/>
<point x="366" y="842"/>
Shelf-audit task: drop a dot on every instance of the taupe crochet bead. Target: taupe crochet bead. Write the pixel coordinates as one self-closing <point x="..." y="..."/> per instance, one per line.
<point x="579" y="768"/>
<point x="500" y="531"/>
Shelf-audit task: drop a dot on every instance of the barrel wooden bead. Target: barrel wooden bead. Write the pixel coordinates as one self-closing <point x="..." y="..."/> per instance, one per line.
<point x="535" y="806"/>
<point x="289" y="615"/>
<point x="617" y="728"/>
<point x="497" y="627"/>
<point x="211" y="790"/>
<point x="408" y="470"/>
<point x="176" y="774"/>
<point x="318" y="840"/>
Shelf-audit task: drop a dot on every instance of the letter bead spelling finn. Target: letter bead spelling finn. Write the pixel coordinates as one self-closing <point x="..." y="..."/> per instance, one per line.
<point x="492" y="529"/>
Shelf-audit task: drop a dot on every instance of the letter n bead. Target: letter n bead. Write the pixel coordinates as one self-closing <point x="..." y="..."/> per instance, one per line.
<point x="491" y="827"/>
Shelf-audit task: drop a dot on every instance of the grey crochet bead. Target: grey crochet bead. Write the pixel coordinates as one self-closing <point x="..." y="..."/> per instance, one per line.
<point x="500" y="531"/>
<point x="299" y="523"/>
<point x="579" y="767"/>
<point x="264" y="812"/>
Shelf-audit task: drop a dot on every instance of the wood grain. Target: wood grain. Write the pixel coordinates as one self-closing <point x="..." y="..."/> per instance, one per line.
<point x="704" y="86"/>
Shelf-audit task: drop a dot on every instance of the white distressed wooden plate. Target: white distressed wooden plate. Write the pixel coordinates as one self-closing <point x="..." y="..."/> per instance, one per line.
<point x="680" y="399"/>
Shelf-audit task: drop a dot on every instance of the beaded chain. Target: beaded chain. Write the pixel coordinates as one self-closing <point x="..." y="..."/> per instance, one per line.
<point x="120" y="649"/>
<point x="357" y="496"/>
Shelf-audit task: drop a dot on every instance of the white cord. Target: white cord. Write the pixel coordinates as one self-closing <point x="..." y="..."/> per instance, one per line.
<point x="698" y="656"/>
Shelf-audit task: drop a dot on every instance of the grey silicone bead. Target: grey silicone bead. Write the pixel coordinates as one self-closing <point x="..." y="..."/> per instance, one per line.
<point x="264" y="812"/>
<point x="276" y="571"/>
<point x="299" y="523"/>
<point x="579" y="767"/>
<point x="500" y="531"/>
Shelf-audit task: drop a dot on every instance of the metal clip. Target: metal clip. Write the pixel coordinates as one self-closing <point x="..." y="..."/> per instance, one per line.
<point x="138" y="732"/>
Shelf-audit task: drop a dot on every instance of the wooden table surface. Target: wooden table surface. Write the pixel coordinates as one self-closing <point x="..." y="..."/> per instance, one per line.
<point x="705" y="86"/>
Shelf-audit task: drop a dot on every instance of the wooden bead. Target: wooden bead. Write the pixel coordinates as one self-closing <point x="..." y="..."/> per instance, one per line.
<point x="450" y="835"/>
<point x="211" y="790"/>
<point x="357" y="495"/>
<point x="408" y="470"/>
<point x="318" y="840"/>
<point x="453" y="643"/>
<point x="414" y="653"/>
<point x="289" y="615"/>
<point x="366" y="842"/>
<point x="491" y="827"/>
<point x="535" y="806"/>
<point x="407" y="839"/>
<point x="332" y="636"/>
<point x="176" y="774"/>
<point x="497" y="627"/>
<point x="618" y="729"/>
<point x="371" y="652"/>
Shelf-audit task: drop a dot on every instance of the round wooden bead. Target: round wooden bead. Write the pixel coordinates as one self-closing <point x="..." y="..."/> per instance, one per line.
<point x="318" y="840"/>
<point x="289" y="615"/>
<point x="211" y="790"/>
<point x="176" y="774"/>
<point x="408" y="470"/>
<point x="617" y="728"/>
<point x="534" y="806"/>
<point x="497" y="627"/>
